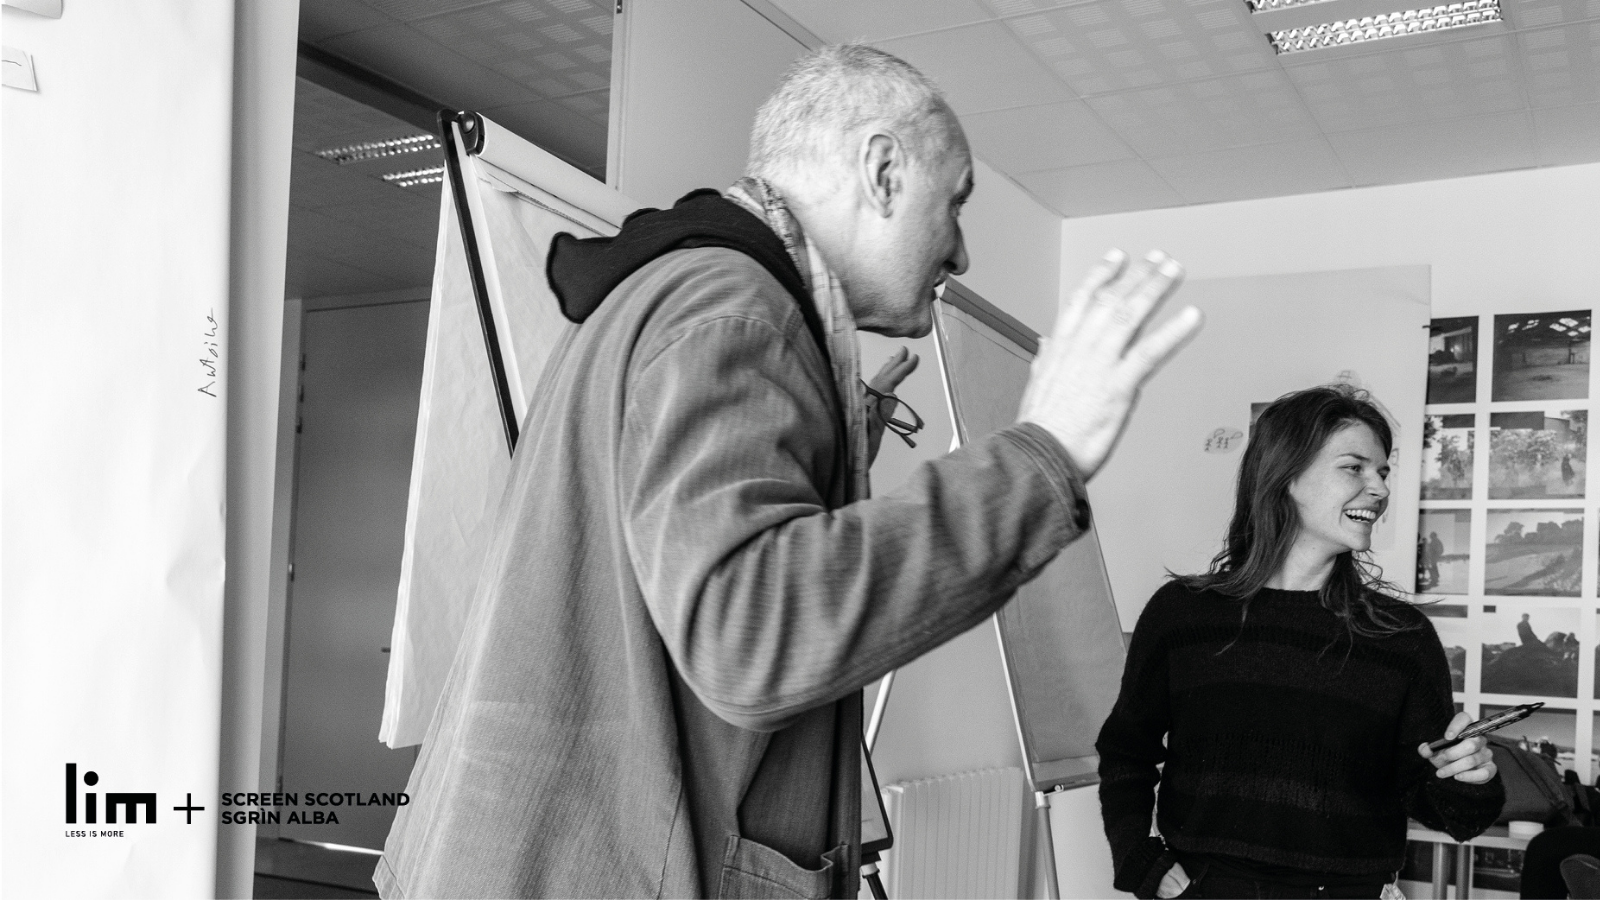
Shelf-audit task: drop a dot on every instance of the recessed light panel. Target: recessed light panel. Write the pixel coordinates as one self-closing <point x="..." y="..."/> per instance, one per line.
<point x="1397" y="24"/>
<point x="379" y="149"/>
<point x="1274" y="5"/>
<point x="432" y="175"/>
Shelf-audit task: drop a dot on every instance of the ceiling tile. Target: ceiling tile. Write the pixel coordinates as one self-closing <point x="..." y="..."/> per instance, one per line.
<point x="320" y="19"/>
<point x="1031" y="138"/>
<point x="1105" y="47"/>
<point x="406" y="10"/>
<point x="1539" y="13"/>
<point x="1406" y="84"/>
<point x="878" y="20"/>
<point x="1568" y="135"/>
<point x="408" y="56"/>
<point x="308" y="275"/>
<point x="1562" y="64"/>
<point x="324" y="118"/>
<point x="981" y="68"/>
<point x="551" y="49"/>
<point x="1109" y="187"/>
<point x="568" y="134"/>
<point x="1193" y="117"/>
<point x="594" y="106"/>
<point x="1432" y="150"/>
<point x="1249" y="173"/>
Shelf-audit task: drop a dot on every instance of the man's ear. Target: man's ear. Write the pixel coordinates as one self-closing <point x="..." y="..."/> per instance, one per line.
<point x="882" y="172"/>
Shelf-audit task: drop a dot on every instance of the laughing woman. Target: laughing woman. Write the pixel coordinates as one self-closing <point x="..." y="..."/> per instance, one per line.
<point x="1283" y="701"/>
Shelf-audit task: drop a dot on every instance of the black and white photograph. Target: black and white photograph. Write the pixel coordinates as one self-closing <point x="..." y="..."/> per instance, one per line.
<point x="1447" y="446"/>
<point x="1453" y="360"/>
<point x="1444" y="546"/>
<point x="1541" y="356"/>
<point x="1456" y="635"/>
<point x="1538" y="454"/>
<point x="504" y="448"/>
<point x="1529" y="650"/>
<point x="1536" y="552"/>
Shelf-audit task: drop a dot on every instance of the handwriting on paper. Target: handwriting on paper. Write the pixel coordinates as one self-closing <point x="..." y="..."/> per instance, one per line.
<point x="1224" y="440"/>
<point x="210" y="355"/>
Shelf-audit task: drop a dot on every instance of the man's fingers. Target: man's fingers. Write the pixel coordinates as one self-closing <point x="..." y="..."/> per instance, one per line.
<point x="896" y="369"/>
<point x="1076" y="304"/>
<point x="1154" y="349"/>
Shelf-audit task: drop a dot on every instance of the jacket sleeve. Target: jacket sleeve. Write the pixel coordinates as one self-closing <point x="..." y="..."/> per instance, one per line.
<point x="1132" y="745"/>
<point x="768" y="602"/>
<point x="1460" y="809"/>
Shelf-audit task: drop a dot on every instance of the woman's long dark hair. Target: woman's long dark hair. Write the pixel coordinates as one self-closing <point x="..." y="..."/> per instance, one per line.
<point x="1283" y="443"/>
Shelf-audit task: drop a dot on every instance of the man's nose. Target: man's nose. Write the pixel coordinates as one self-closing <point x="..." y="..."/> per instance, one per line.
<point x="957" y="263"/>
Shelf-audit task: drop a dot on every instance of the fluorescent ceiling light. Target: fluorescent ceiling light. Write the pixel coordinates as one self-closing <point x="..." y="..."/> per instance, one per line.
<point x="1272" y="5"/>
<point x="379" y="149"/>
<point x="1397" y="24"/>
<point x="432" y="175"/>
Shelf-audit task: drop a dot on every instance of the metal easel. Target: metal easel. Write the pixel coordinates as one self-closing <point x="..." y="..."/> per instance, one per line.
<point x="1048" y="765"/>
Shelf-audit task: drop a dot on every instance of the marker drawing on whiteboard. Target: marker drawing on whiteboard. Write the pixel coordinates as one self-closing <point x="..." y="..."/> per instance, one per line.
<point x="211" y="358"/>
<point x="1223" y="440"/>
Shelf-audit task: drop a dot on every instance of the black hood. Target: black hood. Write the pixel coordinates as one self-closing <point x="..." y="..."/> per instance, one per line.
<point x="584" y="271"/>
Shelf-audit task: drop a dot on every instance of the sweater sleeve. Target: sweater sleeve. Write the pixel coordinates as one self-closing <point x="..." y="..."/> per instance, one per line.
<point x="1458" y="808"/>
<point x="1131" y="746"/>
<point x="769" y="602"/>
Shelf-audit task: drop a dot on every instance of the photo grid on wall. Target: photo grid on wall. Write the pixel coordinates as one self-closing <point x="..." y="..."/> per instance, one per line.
<point x="1507" y="535"/>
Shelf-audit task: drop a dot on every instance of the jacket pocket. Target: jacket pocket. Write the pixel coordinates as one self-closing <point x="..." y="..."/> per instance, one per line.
<point x="759" y="872"/>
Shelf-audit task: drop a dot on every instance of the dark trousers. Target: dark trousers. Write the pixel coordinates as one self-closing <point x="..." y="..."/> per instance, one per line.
<point x="1209" y="880"/>
<point x="1217" y="885"/>
<point x="1541" y="863"/>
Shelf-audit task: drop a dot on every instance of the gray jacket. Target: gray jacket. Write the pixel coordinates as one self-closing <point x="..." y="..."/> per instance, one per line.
<point x="658" y="693"/>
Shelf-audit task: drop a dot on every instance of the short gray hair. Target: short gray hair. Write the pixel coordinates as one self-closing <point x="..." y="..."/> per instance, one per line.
<point x="829" y="95"/>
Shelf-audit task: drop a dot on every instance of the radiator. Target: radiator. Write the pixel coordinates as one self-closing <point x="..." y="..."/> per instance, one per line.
<point x="956" y="835"/>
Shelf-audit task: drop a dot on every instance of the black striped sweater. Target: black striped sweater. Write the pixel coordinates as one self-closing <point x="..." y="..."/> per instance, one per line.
<point x="1281" y="742"/>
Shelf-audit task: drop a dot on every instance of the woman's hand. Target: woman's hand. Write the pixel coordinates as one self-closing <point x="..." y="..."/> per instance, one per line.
<point x="901" y="364"/>
<point x="1470" y="761"/>
<point x="1175" y="882"/>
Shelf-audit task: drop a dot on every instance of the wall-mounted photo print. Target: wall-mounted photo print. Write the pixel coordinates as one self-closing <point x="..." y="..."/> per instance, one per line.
<point x="1455" y="636"/>
<point x="1532" y="651"/>
<point x="1453" y="360"/>
<point x="1447" y="445"/>
<point x="1444" y="543"/>
<point x="1542" y="356"/>
<point x="1539" y="453"/>
<point x="1533" y="551"/>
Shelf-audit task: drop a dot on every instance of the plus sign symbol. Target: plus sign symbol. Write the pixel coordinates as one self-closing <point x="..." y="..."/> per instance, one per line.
<point x="188" y="811"/>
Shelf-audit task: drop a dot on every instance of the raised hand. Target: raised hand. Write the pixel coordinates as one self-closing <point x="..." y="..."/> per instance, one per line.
<point x="900" y="364"/>
<point x="1088" y="373"/>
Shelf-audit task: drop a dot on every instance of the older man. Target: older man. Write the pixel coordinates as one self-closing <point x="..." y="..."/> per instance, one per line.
<point x="659" y="692"/>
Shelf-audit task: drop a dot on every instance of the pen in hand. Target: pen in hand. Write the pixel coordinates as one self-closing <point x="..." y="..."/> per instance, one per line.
<point x="1485" y="725"/>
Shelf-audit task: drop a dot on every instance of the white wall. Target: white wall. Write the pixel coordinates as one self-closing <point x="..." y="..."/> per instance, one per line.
<point x="1519" y="239"/>
<point x="115" y="287"/>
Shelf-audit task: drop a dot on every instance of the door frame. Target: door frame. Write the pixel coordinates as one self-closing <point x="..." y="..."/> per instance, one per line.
<point x="281" y="585"/>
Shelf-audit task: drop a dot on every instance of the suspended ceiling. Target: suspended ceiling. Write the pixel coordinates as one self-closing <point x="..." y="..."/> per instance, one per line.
<point x="1099" y="106"/>
<point x="1093" y="106"/>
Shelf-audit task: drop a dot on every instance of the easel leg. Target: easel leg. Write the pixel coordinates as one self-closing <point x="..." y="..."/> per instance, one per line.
<point x="1463" y="871"/>
<point x="1440" y="878"/>
<point x="1041" y="802"/>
